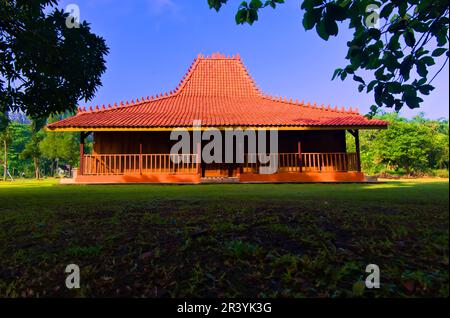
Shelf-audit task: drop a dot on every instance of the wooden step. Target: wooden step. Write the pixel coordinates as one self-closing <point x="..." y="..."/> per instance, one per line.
<point x="220" y="180"/>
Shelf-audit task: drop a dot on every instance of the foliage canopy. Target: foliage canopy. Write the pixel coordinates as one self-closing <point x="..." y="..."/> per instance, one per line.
<point x="397" y="41"/>
<point x="46" y="67"/>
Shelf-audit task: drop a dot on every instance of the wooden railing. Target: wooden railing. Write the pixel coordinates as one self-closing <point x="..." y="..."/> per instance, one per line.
<point x="120" y="164"/>
<point x="310" y="162"/>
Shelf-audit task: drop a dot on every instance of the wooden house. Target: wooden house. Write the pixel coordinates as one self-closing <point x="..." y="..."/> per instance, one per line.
<point x="132" y="141"/>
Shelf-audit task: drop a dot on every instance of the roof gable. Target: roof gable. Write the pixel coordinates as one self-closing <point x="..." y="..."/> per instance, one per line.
<point x="218" y="76"/>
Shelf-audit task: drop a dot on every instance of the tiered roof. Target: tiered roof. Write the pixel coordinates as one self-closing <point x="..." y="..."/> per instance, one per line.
<point x="218" y="91"/>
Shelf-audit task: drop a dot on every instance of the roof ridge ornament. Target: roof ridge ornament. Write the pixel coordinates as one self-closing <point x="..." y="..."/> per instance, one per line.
<point x="217" y="55"/>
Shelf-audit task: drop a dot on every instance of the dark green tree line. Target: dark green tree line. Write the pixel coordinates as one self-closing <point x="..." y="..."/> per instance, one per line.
<point x="409" y="146"/>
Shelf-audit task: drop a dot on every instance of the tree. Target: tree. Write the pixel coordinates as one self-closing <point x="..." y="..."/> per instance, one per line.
<point x="416" y="145"/>
<point x="395" y="40"/>
<point x="21" y="136"/>
<point x="48" y="62"/>
<point x="31" y="150"/>
<point x="404" y="145"/>
<point x="6" y="139"/>
<point x="59" y="147"/>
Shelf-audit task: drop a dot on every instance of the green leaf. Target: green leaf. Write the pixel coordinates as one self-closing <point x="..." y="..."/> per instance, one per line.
<point x="441" y="37"/>
<point x="321" y="30"/>
<point x="421" y="52"/>
<point x="337" y="12"/>
<point x="439" y="52"/>
<point x="428" y="60"/>
<point x="331" y="26"/>
<point x="419" y="26"/>
<point x="256" y="4"/>
<point x="337" y="72"/>
<point x="252" y="16"/>
<point x="349" y="69"/>
<point x="379" y="94"/>
<point x="241" y="16"/>
<point x="371" y="85"/>
<point x="421" y="69"/>
<point x="422" y="81"/>
<point x="374" y="33"/>
<point x="216" y="4"/>
<point x="410" y="97"/>
<point x="387" y="10"/>
<point x="379" y="73"/>
<point x="390" y="61"/>
<point x="410" y="40"/>
<point x="394" y="87"/>
<point x="307" y="5"/>
<point x="426" y="89"/>
<point x="405" y="67"/>
<point x="309" y="20"/>
<point x="357" y="78"/>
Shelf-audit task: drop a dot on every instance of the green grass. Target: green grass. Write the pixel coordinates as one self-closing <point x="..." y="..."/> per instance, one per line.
<point x="285" y="240"/>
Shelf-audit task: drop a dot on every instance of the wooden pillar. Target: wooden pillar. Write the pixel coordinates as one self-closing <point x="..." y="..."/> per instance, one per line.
<point x="358" y="151"/>
<point x="82" y="138"/>
<point x="300" y="159"/>
<point x="140" y="158"/>
<point x="199" y="159"/>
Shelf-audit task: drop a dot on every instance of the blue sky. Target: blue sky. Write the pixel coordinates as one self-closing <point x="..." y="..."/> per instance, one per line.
<point x="153" y="42"/>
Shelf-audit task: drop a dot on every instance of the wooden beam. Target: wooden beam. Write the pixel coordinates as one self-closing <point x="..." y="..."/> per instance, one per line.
<point x="140" y="158"/>
<point x="358" y="151"/>
<point x="199" y="159"/>
<point x="352" y="132"/>
<point x="300" y="156"/>
<point x="190" y="128"/>
<point x="82" y="140"/>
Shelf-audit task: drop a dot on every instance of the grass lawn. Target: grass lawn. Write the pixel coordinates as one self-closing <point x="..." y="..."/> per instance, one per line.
<point x="285" y="240"/>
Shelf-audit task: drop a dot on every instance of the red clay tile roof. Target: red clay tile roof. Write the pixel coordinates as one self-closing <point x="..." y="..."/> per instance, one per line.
<point x="218" y="91"/>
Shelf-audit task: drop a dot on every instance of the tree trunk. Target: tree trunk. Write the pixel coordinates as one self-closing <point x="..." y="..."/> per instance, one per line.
<point x="52" y="164"/>
<point x="36" y="167"/>
<point x="5" y="168"/>
<point x="408" y="170"/>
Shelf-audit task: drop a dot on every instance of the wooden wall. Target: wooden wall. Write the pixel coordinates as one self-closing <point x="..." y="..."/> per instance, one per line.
<point x="159" y="142"/>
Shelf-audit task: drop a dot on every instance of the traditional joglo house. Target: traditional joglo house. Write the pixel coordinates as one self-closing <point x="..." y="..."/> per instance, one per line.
<point x="132" y="141"/>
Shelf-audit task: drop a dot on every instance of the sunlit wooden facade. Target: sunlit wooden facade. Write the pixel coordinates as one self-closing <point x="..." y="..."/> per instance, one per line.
<point x="131" y="141"/>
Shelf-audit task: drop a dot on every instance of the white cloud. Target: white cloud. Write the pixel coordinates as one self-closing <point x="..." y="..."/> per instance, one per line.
<point x="158" y="7"/>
